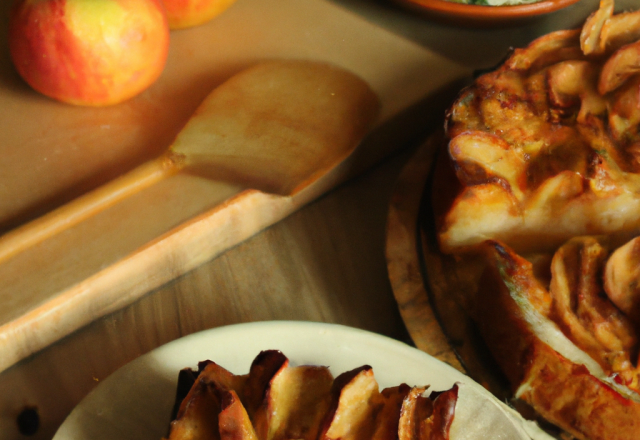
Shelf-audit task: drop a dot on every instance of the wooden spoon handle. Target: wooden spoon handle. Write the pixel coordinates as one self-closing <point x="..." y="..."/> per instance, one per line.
<point x="69" y="215"/>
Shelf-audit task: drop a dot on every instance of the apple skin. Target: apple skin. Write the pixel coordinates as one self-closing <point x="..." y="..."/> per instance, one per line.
<point x="189" y="13"/>
<point x="89" y="52"/>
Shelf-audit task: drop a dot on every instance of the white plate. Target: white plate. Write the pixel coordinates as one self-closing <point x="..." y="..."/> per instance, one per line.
<point x="135" y="402"/>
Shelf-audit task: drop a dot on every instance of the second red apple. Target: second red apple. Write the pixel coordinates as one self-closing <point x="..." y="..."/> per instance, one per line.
<point x="188" y="13"/>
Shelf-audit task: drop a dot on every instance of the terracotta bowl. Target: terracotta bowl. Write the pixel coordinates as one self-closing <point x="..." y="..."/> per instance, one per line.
<point x="483" y="16"/>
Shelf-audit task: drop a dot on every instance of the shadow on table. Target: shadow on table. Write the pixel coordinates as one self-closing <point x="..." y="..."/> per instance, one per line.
<point x="473" y="48"/>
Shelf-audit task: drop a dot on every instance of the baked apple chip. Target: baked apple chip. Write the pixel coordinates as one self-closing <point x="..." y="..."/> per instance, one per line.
<point x="427" y="418"/>
<point x="352" y="412"/>
<point x="389" y="411"/>
<point x="546" y="147"/>
<point x="233" y="421"/>
<point x="294" y="403"/>
<point x="208" y="395"/>
<point x="306" y="402"/>
<point x="264" y="367"/>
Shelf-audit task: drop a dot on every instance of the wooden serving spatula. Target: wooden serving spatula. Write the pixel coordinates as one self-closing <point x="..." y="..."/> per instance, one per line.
<point x="274" y="127"/>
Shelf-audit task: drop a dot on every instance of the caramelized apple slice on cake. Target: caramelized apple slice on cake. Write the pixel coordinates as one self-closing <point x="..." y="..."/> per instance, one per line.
<point x="622" y="278"/>
<point x="604" y="32"/>
<point x="546" y="146"/>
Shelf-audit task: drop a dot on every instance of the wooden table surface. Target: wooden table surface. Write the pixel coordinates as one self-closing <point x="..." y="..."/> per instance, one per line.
<point x="323" y="263"/>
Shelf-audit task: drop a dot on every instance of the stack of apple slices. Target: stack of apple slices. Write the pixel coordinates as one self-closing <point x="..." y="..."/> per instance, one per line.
<point x="278" y="401"/>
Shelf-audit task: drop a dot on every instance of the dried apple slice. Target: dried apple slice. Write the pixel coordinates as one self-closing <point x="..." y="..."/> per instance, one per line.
<point x="415" y="409"/>
<point x="233" y="420"/>
<point x="197" y="417"/>
<point x="294" y="404"/>
<point x="352" y="411"/>
<point x="444" y="405"/>
<point x="186" y="379"/>
<point x="427" y="418"/>
<point x="546" y="369"/>
<point x="223" y="378"/>
<point x="263" y="368"/>
<point x="388" y="415"/>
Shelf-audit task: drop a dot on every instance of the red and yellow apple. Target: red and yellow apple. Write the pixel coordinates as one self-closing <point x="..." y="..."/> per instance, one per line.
<point x="89" y="52"/>
<point x="188" y="13"/>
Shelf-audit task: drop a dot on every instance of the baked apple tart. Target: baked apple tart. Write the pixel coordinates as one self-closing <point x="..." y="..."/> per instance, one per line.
<point x="547" y="146"/>
<point x="538" y="236"/>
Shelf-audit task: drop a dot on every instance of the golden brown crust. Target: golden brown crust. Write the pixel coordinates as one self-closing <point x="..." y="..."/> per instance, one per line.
<point x="569" y="396"/>
<point x="546" y="370"/>
<point x="546" y="147"/>
<point x="500" y="320"/>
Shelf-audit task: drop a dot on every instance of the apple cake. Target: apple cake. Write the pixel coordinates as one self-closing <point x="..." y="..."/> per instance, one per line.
<point x="546" y="147"/>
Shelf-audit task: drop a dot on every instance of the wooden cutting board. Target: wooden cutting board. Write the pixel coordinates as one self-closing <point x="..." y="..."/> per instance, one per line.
<point x="431" y="288"/>
<point x="52" y="153"/>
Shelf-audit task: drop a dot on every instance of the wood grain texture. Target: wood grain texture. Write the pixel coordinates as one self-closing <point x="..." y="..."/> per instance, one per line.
<point x="108" y="260"/>
<point x="435" y="291"/>
<point x="323" y="263"/>
<point x="404" y="260"/>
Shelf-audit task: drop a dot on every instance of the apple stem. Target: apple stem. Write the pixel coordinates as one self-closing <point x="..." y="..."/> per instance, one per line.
<point x="87" y="205"/>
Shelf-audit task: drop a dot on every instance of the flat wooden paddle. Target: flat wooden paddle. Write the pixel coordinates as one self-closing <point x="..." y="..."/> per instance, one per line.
<point x="274" y="127"/>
